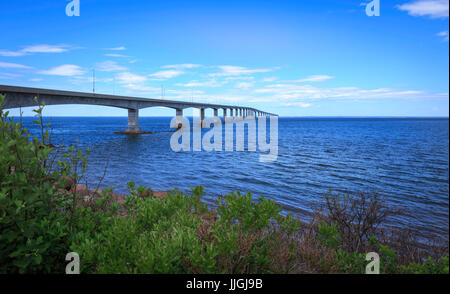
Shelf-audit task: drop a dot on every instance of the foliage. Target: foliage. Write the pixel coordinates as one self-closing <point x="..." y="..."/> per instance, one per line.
<point x="357" y="217"/>
<point x="429" y="266"/>
<point x="328" y="235"/>
<point x="33" y="231"/>
<point x="43" y="217"/>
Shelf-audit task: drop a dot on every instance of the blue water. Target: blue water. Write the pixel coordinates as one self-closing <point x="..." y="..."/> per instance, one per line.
<point x="407" y="160"/>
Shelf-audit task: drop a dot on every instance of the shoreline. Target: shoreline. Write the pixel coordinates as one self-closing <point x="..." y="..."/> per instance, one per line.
<point x="422" y="241"/>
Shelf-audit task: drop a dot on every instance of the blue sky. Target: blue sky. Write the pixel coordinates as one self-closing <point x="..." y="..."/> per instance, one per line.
<point x="294" y="58"/>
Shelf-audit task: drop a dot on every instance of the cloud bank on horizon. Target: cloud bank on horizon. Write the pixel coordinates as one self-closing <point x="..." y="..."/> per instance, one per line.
<point x="332" y="74"/>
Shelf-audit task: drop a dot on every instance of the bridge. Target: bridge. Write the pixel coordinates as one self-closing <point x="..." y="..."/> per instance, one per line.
<point x="17" y="97"/>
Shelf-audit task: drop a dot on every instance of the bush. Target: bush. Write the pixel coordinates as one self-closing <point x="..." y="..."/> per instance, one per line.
<point x="177" y="235"/>
<point x="33" y="233"/>
<point x="156" y="239"/>
<point x="42" y="218"/>
<point x="357" y="217"/>
<point x="429" y="266"/>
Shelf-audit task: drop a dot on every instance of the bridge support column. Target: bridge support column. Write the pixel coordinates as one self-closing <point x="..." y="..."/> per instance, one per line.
<point x="216" y="115"/>
<point x="179" y="118"/>
<point x="224" y="115"/>
<point x="133" y="124"/>
<point x="202" y="116"/>
<point x="133" y="121"/>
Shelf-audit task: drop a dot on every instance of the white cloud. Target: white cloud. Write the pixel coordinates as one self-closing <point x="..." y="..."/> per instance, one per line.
<point x="121" y="48"/>
<point x="431" y="8"/>
<point x="223" y="98"/>
<point x="36" y="80"/>
<point x="315" y="78"/>
<point x="11" y="53"/>
<point x="45" y="49"/>
<point x="66" y="70"/>
<point x="167" y="74"/>
<point x="245" y="78"/>
<point x="192" y="84"/>
<point x="293" y="93"/>
<point x="110" y="66"/>
<point x="182" y="66"/>
<point x="77" y="80"/>
<point x="244" y="85"/>
<point x="13" y="65"/>
<point x="35" y="49"/>
<point x="116" y="55"/>
<point x="269" y="79"/>
<point x="143" y="89"/>
<point x="130" y="78"/>
<point x="444" y="35"/>
<point x="8" y="76"/>
<point x="229" y="70"/>
<point x="299" y="104"/>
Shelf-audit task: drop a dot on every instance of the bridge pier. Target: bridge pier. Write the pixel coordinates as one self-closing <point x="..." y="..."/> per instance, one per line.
<point x="224" y="114"/>
<point x="216" y="115"/>
<point x="179" y="118"/>
<point x="133" y="124"/>
<point x="202" y="116"/>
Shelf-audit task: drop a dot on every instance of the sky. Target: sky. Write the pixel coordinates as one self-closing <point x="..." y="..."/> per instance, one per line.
<point x="293" y="58"/>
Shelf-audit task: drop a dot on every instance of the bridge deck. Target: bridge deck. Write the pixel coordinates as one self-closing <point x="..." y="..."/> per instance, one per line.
<point x="24" y="97"/>
<point x="16" y="97"/>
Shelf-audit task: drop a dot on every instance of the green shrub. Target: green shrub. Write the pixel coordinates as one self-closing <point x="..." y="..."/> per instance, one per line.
<point x="166" y="236"/>
<point x="41" y="221"/>
<point x="429" y="266"/>
<point x="328" y="235"/>
<point x="33" y="232"/>
<point x="159" y="237"/>
<point x="36" y="217"/>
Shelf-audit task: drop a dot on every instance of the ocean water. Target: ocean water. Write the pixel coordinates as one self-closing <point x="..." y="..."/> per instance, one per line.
<point x="404" y="159"/>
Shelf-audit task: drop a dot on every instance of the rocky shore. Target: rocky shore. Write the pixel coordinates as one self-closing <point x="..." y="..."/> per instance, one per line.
<point x="87" y="197"/>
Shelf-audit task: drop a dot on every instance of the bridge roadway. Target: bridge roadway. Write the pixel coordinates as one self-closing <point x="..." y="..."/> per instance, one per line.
<point x="16" y="97"/>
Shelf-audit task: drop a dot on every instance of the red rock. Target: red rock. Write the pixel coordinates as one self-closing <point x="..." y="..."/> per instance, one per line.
<point x="82" y="190"/>
<point x="69" y="183"/>
<point x="159" y="194"/>
<point x="144" y="195"/>
<point x="119" y="198"/>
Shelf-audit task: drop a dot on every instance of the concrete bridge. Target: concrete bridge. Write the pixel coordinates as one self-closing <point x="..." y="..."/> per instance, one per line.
<point x="24" y="97"/>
